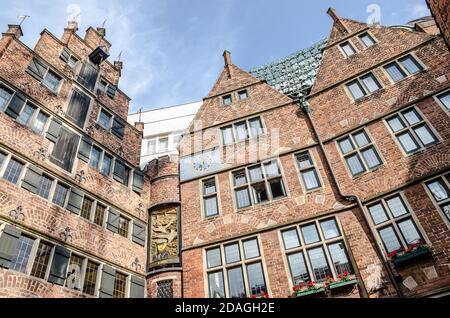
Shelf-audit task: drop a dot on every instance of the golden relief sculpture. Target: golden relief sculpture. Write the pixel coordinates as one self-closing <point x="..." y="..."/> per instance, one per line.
<point x="164" y="236"/>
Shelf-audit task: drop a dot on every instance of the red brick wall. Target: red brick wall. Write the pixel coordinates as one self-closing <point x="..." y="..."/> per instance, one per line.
<point x="441" y="12"/>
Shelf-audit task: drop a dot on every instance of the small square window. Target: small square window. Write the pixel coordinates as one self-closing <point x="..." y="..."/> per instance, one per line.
<point x="227" y="100"/>
<point x="52" y="81"/>
<point x="243" y="95"/>
<point x="367" y="40"/>
<point x="105" y="119"/>
<point x="59" y="197"/>
<point x="443" y="98"/>
<point x="348" y="49"/>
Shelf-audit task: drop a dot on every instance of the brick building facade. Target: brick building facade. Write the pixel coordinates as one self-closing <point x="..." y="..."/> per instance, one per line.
<point x="279" y="182"/>
<point x="441" y="13"/>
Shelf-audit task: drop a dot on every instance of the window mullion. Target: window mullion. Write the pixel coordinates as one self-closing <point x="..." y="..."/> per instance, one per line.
<point x="32" y="255"/>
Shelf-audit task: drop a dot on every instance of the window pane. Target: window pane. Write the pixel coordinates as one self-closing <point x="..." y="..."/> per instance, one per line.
<point x="241" y="131"/>
<point x="86" y="208"/>
<point x="256" y="282"/>
<point x="74" y="272"/>
<point x="227" y="100"/>
<point x="88" y="76"/>
<point x="124" y="225"/>
<point x="236" y="283"/>
<point x="65" y="149"/>
<point x="277" y="189"/>
<point x="99" y="214"/>
<point x="439" y="190"/>
<point x="408" y="143"/>
<point x="20" y="260"/>
<point x="243" y="94"/>
<point x="227" y="135"/>
<point x="329" y="229"/>
<point x="444" y="98"/>
<point x="395" y="72"/>
<point x="151" y="147"/>
<point x="45" y="183"/>
<point x="52" y="81"/>
<point x="13" y="171"/>
<point x="211" y="206"/>
<point x="239" y="178"/>
<point x="41" y="260"/>
<point x="5" y="96"/>
<point x="355" y="165"/>
<point x="163" y="144"/>
<point x="425" y="135"/>
<point x="319" y="264"/>
<point x="272" y="169"/>
<point x="26" y="114"/>
<point x="409" y="232"/>
<point x="310" y="234"/>
<point x="396" y="206"/>
<point x="290" y="239"/>
<point x="90" y="278"/>
<point x="396" y="124"/>
<point x="298" y="269"/>
<point x="348" y="49"/>
<point x="59" y="197"/>
<point x="412" y="117"/>
<point x="390" y="239"/>
<point x="367" y="40"/>
<point x="95" y="157"/>
<point x="361" y="139"/>
<point x="371" y="83"/>
<point x="78" y="108"/>
<point x="346" y="145"/>
<point x="213" y="258"/>
<point x="446" y="210"/>
<point x="104" y="120"/>
<point x="243" y="198"/>
<point x="410" y="64"/>
<point x="255" y="173"/>
<point x="260" y="192"/>
<point x="216" y="288"/>
<point x="371" y="157"/>
<point x="378" y="213"/>
<point x="107" y="164"/>
<point x="2" y="158"/>
<point x="39" y="123"/>
<point x="251" y="249"/>
<point x="339" y="258"/>
<point x="209" y="187"/>
<point x="310" y="179"/>
<point x="304" y="160"/>
<point x="119" y="285"/>
<point x="232" y="254"/>
<point x="256" y="127"/>
<point x="356" y="90"/>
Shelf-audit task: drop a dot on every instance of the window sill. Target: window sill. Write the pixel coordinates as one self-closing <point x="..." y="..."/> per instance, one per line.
<point x="50" y="90"/>
<point x="359" y="176"/>
<point x="262" y="204"/>
<point x="369" y="96"/>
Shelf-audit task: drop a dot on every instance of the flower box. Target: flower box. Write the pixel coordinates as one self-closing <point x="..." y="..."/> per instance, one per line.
<point x="343" y="283"/>
<point x="401" y="259"/>
<point x="309" y="292"/>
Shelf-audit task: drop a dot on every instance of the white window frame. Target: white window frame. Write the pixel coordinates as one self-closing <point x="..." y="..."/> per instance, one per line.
<point x="437" y="204"/>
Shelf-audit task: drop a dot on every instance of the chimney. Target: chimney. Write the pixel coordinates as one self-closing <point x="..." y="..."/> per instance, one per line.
<point x="14" y="30"/>
<point x="227" y="60"/>
<point x="118" y="65"/>
<point x="102" y="32"/>
<point x="139" y="126"/>
<point x="337" y="20"/>
<point x="72" y="27"/>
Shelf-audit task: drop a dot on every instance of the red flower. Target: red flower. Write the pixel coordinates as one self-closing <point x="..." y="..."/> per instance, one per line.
<point x="295" y="288"/>
<point x="340" y="276"/>
<point x="346" y="274"/>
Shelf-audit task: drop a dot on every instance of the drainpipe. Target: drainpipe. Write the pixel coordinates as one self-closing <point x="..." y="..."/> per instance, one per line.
<point x="304" y="105"/>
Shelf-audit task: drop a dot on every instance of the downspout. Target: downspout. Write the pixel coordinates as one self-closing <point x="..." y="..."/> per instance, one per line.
<point x="304" y="105"/>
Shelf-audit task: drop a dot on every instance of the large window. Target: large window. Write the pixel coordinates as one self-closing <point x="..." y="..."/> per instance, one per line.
<point x="120" y="284"/>
<point x="5" y="97"/>
<point x="90" y="278"/>
<point x="78" y="108"/>
<point x="258" y="184"/>
<point x="440" y="191"/>
<point x="13" y="171"/>
<point x="411" y="130"/>
<point x="40" y="70"/>
<point x="41" y="260"/>
<point x="210" y="198"/>
<point x="308" y="171"/>
<point x="241" y="131"/>
<point x="88" y="76"/>
<point x="394" y="223"/>
<point x="359" y="153"/>
<point x="235" y="270"/>
<point x="22" y="254"/>
<point x="403" y="67"/>
<point x="363" y="86"/>
<point x="65" y="149"/>
<point x="315" y="251"/>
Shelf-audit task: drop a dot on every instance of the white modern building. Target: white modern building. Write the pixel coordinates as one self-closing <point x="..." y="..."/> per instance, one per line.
<point x="163" y="129"/>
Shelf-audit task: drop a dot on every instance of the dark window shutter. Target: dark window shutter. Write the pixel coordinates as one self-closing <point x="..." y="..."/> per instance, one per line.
<point x="107" y="282"/>
<point x="139" y="233"/>
<point x="113" y="221"/>
<point x="37" y="69"/>
<point x="65" y="55"/>
<point x="53" y="130"/>
<point x="32" y="179"/>
<point x="118" y="128"/>
<point x="137" y="287"/>
<point x="16" y="105"/>
<point x="119" y="171"/>
<point x="78" y="108"/>
<point x="58" y="271"/>
<point x="8" y="245"/>
<point x="84" y="153"/>
<point x="138" y="181"/>
<point x="111" y="91"/>
<point x="88" y="76"/>
<point x="75" y="201"/>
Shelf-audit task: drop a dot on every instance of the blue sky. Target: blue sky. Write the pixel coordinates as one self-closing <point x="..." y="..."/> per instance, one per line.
<point x="172" y="49"/>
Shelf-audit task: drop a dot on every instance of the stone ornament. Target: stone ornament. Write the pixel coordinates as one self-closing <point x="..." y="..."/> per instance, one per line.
<point x="164" y="243"/>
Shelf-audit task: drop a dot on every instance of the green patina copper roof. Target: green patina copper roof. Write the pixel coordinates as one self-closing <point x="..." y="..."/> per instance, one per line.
<point x="295" y="73"/>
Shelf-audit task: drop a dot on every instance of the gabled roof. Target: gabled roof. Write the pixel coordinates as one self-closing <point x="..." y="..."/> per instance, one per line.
<point x="294" y="73"/>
